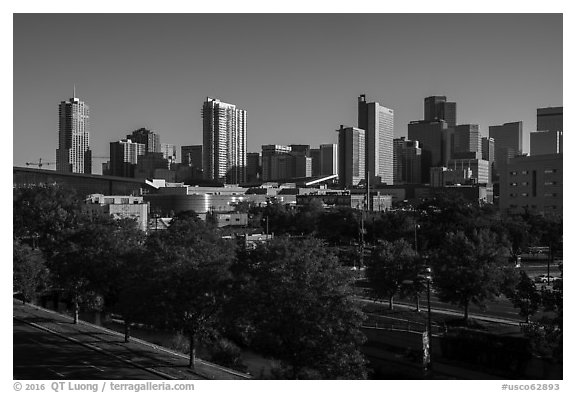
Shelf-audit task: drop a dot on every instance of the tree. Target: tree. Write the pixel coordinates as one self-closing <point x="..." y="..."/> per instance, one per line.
<point x="469" y="269"/>
<point x="30" y="273"/>
<point x="190" y="265"/>
<point x="525" y="296"/>
<point x="301" y="309"/>
<point x="86" y="263"/>
<point x="43" y="213"/>
<point x="393" y="263"/>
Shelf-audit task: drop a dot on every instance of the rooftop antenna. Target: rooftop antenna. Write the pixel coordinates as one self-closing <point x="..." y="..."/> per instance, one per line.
<point x="74" y="96"/>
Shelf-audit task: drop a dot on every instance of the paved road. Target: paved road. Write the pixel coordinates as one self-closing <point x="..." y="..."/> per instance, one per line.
<point x="47" y="345"/>
<point x="42" y="355"/>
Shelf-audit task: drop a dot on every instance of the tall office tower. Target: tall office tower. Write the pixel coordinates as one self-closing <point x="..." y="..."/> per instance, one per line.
<point x="351" y="156"/>
<point x="192" y="156"/>
<point x="150" y="139"/>
<point x="378" y="123"/>
<point x="507" y="142"/>
<point x="436" y="108"/>
<point x="329" y="159"/>
<point x="253" y="167"/>
<point x="407" y="162"/>
<point x="224" y="141"/>
<point x="271" y="167"/>
<point x="169" y="153"/>
<point x="300" y="149"/>
<point x="124" y="157"/>
<point x="433" y="137"/>
<point x="316" y="163"/>
<point x="300" y="166"/>
<point x="73" y="153"/>
<point x="549" y="119"/>
<point x="546" y="142"/>
<point x="467" y="138"/>
<point x="488" y="154"/>
<point x="488" y="149"/>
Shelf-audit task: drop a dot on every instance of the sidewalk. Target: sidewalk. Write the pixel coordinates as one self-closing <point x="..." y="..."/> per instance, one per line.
<point x="153" y="358"/>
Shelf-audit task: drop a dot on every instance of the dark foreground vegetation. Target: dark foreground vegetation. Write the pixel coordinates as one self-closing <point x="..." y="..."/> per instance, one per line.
<point x="290" y="299"/>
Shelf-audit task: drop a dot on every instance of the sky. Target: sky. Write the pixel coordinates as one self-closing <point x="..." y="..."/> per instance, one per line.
<point x="298" y="76"/>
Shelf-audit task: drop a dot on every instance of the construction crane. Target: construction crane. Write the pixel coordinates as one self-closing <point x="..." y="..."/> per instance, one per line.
<point x="39" y="164"/>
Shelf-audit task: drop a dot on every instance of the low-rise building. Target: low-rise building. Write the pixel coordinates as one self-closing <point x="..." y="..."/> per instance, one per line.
<point x="120" y="206"/>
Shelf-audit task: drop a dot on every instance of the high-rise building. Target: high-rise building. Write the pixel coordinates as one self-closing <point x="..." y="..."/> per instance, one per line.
<point x="192" y="156"/>
<point x="253" y="167"/>
<point x="73" y="153"/>
<point x="378" y="123"/>
<point x="300" y="149"/>
<point x="546" y="142"/>
<point x="273" y="164"/>
<point x="467" y="138"/>
<point x="124" y="157"/>
<point x="169" y="153"/>
<point x="407" y="161"/>
<point x="150" y="140"/>
<point x="434" y="140"/>
<point x="437" y="108"/>
<point x="507" y="141"/>
<point x="549" y="119"/>
<point x="351" y="156"/>
<point x="316" y="163"/>
<point x="488" y="154"/>
<point x="488" y="149"/>
<point x="224" y="141"/>
<point x="328" y="159"/>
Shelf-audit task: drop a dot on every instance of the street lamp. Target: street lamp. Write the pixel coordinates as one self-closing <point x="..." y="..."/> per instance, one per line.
<point x="428" y="358"/>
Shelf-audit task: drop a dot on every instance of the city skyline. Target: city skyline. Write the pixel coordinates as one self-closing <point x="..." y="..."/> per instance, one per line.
<point x="295" y="84"/>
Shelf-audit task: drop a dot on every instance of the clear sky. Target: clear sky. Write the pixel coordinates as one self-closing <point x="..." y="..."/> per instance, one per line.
<point x="297" y="75"/>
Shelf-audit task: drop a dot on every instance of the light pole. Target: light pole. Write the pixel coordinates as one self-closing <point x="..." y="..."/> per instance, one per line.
<point x="428" y="366"/>
<point x="416" y="227"/>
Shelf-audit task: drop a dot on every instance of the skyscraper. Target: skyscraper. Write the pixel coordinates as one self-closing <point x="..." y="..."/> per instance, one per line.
<point x="351" y="156"/>
<point x="437" y="108"/>
<point x="124" y="157"/>
<point x="507" y="141"/>
<point x="224" y="141"/>
<point x="328" y="159"/>
<point x="407" y="162"/>
<point x="378" y="123"/>
<point x="274" y="162"/>
<point x="549" y="119"/>
<point x="73" y="153"/>
<point x="169" y="153"/>
<point x="253" y="167"/>
<point x="150" y="140"/>
<point x="467" y="138"/>
<point x="433" y="137"/>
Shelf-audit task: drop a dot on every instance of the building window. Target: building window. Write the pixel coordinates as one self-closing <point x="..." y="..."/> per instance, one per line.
<point x="550" y="195"/>
<point x="524" y="194"/>
<point x="549" y="183"/>
<point x="513" y="173"/>
<point x="513" y="184"/>
<point x="548" y="171"/>
<point x="513" y="195"/>
<point x="524" y="172"/>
